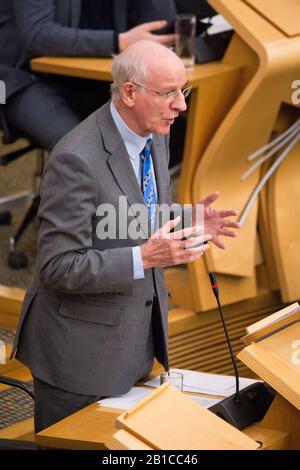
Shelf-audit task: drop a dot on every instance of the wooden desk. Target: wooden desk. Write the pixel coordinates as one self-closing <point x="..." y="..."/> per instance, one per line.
<point x="91" y="427"/>
<point x="87" y="429"/>
<point x="100" y="69"/>
<point x="96" y="69"/>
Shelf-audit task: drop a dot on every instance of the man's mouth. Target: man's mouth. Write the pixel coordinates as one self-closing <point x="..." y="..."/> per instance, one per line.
<point x="170" y="120"/>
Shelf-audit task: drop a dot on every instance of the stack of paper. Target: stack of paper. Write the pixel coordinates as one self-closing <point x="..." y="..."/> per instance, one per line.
<point x="136" y="394"/>
<point x="208" y="384"/>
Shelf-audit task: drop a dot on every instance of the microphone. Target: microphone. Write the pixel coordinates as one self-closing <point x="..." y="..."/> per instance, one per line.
<point x="214" y="286"/>
<point x="249" y="405"/>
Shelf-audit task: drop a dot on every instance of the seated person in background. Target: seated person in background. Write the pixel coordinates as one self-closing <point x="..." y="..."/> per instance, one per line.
<point x="44" y="108"/>
<point x="96" y="312"/>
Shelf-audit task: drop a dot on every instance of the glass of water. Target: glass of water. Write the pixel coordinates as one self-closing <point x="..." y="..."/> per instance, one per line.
<point x="185" y="30"/>
<point x="172" y="378"/>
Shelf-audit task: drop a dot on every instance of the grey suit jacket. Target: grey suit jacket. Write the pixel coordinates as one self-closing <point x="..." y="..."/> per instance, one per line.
<point x="85" y="320"/>
<point x="30" y="28"/>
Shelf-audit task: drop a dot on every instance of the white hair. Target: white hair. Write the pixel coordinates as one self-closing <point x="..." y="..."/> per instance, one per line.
<point x="129" y="66"/>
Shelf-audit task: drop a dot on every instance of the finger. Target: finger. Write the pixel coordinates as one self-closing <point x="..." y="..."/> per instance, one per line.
<point x="165" y="229"/>
<point x="194" y="241"/>
<point x="227" y="233"/>
<point x="218" y="243"/>
<point x="194" y="253"/>
<point x="153" y="25"/>
<point x="187" y="232"/>
<point x="231" y="223"/>
<point x="163" y="38"/>
<point x="228" y="213"/>
<point x="210" y="198"/>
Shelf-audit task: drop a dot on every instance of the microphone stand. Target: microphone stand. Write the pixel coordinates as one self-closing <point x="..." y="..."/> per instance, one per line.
<point x="249" y="405"/>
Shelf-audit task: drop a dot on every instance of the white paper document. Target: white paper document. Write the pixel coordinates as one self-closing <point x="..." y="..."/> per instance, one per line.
<point x="218" y="24"/>
<point x="136" y="394"/>
<point x="205" y="402"/>
<point x="209" y="384"/>
<point x="124" y="402"/>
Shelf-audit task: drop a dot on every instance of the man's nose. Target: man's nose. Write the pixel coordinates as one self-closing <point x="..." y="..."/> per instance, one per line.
<point x="179" y="103"/>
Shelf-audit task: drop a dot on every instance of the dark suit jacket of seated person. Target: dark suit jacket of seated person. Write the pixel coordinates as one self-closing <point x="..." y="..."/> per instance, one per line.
<point x="78" y="28"/>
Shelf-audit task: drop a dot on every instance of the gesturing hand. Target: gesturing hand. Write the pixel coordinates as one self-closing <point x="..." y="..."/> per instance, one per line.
<point x="214" y="220"/>
<point x="168" y="249"/>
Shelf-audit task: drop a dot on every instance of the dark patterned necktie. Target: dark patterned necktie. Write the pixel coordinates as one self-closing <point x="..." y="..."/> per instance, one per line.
<point x="148" y="182"/>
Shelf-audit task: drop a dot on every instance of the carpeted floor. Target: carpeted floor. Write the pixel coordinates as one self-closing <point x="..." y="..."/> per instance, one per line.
<point x="15" y="177"/>
<point x="15" y="406"/>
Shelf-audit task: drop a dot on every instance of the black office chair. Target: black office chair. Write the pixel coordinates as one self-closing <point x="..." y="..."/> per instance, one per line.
<point x="14" y="444"/>
<point x="17" y="260"/>
<point x="26" y="387"/>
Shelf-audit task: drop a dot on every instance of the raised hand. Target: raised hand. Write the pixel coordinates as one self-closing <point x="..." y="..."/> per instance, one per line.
<point x="165" y="248"/>
<point x="215" y="221"/>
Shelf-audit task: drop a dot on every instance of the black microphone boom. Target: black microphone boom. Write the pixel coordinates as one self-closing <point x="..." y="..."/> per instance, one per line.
<point x="249" y="405"/>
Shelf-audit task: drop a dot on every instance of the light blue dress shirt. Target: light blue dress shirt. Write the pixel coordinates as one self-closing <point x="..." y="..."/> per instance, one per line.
<point x="134" y="144"/>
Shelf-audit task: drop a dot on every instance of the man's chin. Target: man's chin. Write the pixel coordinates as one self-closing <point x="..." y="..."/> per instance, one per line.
<point x="165" y="129"/>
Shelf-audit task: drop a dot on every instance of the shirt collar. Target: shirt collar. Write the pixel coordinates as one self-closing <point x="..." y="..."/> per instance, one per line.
<point x="134" y="143"/>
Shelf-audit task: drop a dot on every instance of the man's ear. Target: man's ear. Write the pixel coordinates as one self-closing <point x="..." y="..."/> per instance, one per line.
<point x="128" y="93"/>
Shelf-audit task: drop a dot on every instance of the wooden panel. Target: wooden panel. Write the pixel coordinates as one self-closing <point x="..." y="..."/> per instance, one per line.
<point x="197" y="341"/>
<point x="246" y="22"/>
<point x="91" y="427"/>
<point x="88" y="428"/>
<point x="241" y="132"/>
<point x="283" y="15"/>
<point x="97" y="69"/>
<point x="179" y="287"/>
<point x="270" y="438"/>
<point x="284" y="417"/>
<point x="190" y="288"/>
<point x="11" y="299"/>
<point x="284" y="208"/>
<point x="23" y="431"/>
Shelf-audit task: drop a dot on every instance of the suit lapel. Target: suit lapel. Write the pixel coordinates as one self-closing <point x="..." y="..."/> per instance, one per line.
<point x="119" y="162"/>
<point x="118" y="159"/>
<point x="123" y="172"/>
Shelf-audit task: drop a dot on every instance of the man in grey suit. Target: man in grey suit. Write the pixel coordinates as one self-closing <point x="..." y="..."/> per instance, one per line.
<point x="95" y="314"/>
<point x="82" y="28"/>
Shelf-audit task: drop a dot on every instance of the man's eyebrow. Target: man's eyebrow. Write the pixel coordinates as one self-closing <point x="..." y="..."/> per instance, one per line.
<point x="170" y="89"/>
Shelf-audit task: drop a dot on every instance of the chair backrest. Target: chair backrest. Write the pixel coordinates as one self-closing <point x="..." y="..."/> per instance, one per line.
<point x="26" y="387"/>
